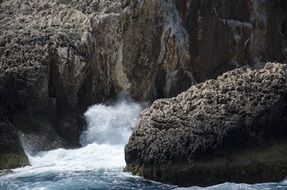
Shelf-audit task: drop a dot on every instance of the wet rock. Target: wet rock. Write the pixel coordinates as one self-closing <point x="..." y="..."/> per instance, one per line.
<point x="230" y="129"/>
<point x="11" y="152"/>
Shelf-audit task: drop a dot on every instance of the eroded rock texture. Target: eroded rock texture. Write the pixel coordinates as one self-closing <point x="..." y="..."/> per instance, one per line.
<point x="230" y="129"/>
<point x="57" y="57"/>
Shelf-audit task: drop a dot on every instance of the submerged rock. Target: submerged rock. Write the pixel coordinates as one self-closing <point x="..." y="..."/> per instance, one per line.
<point x="11" y="152"/>
<point x="232" y="129"/>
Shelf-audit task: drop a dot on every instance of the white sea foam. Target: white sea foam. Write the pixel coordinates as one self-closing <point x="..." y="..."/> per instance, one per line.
<point x="108" y="130"/>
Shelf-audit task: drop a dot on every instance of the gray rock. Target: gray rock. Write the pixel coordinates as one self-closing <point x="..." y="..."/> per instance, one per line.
<point x="59" y="57"/>
<point x="232" y="129"/>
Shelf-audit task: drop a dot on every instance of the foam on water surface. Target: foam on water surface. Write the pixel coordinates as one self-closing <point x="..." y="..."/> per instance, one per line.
<point x="108" y="130"/>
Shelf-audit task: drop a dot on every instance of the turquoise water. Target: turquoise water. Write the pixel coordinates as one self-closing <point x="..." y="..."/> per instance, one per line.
<point x="108" y="179"/>
<point x="98" y="165"/>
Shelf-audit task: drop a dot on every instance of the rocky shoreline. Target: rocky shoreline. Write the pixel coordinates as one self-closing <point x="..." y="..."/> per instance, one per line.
<point x="230" y="129"/>
<point x="58" y="57"/>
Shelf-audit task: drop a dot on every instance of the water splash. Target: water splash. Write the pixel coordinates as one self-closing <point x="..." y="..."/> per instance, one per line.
<point x="110" y="124"/>
<point x="108" y="130"/>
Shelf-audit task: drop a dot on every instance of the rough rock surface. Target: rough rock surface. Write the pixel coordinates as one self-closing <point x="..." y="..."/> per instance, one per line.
<point x="11" y="152"/>
<point x="57" y="57"/>
<point x="230" y="129"/>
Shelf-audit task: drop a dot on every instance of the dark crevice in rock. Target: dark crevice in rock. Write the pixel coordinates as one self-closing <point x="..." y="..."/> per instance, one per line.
<point x="67" y="118"/>
<point x="160" y="83"/>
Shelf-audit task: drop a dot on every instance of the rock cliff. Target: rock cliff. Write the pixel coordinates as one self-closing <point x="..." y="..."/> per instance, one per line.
<point x="226" y="34"/>
<point x="230" y="129"/>
<point x="57" y="57"/>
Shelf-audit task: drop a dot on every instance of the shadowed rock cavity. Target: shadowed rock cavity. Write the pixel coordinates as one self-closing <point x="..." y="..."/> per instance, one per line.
<point x="230" y="129"/>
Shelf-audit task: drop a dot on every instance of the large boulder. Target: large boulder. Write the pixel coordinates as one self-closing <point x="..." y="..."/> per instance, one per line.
<point x="232" y="129"/>
<point x="11" y="152"/>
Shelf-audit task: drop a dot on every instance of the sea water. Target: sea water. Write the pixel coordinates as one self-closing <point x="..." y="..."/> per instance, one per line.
<point x="99" y="163"/>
